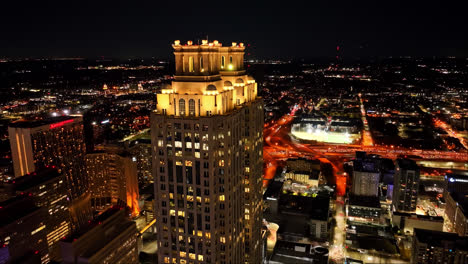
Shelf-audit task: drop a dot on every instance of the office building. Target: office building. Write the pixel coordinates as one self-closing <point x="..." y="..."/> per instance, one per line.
<point x="113" y="180"/>
<point x="456" y="210"/>
<point x="23" y="231"/>
<point x="48" y="189"/>
<point x="141" y="154"/>
<point x="438" y="247"/>
<point x="207" y="158"/>
<point x="363" y="208"/>
<point x="109" y="238"/>
<point x="457" y="182"/>
<point x="366" y="176"/>
<point x="405" y="186"/>
<point x="52" y="142"/>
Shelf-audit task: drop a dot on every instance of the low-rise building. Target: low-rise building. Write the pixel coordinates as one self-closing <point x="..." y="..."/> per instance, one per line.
<point x="408" y="222"/>
<point x="363" y="208"/>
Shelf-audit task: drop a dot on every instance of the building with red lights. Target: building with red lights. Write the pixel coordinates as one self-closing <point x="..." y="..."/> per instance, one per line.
<point x="53" y="142"/>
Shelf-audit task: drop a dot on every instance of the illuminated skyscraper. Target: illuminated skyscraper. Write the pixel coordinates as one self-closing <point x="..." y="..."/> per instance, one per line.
<point x="113" y="180"/>
<point x="207" y="158"/>
<point x="48" y="189"/>
<point x="54" y="142"/>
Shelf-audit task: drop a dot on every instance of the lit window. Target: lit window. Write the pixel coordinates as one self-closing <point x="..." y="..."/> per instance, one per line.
<point x="182" y="107"/>
<point x="223" y="61"/>
<point x="191" y="64"/>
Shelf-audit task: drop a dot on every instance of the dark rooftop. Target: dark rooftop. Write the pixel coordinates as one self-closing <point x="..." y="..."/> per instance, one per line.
<point x="364" y="201"/>
<point x="315" y="207"/>
<point x="33" y="179"/>
<point x="407" y="164"/>
<point x="441" y="239"/>
<point x="38" y="123"/>
<point x="96" y="221"/>
<point x="273" y="190"/>
<point x="16" y="208"/>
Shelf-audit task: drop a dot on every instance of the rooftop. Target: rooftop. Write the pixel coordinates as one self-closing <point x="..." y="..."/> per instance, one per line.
<point x="441" y="239"/>
<point x="364" y="201"/>
<point x="315" y="207"/>
<point x="42" y="122"/>
<point x="16" y="208"/>
<point x="407" y="164"/>
<point x="30" y="180"/>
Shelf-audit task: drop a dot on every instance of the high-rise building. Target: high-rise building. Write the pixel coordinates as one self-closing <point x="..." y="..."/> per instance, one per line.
<point x="405" y="186"/>
<point x="109" y="238"/>
<point x="23" y="231"/>
<point x="366" y="176"/>
<point x="113" y="180"/>
<point x="207" y="158"/>
<point x="48" y="190"/>
<point x="53" y="142"/>
<point x="438" y="247"/>
<point x="141" y="154"/>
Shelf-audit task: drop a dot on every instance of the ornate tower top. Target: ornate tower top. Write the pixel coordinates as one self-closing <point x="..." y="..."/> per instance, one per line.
<point x="208" y="59"/>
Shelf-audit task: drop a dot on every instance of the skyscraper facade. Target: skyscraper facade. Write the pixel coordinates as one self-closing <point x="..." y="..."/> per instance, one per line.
<point x="53" y="142"/>
<point x="406" y="186"/>
<point x="23" y="231"/>
<point x="207" y="158"/>
<point x="113" y="180"/>
<point x="366" y="176"/>
<point x="48" y="189"/>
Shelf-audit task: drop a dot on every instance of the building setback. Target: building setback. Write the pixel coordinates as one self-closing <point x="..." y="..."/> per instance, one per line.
<point x="207" y="158"/>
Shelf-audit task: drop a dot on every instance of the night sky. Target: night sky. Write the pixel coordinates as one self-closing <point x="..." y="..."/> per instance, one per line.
<point x="275" y="29"/>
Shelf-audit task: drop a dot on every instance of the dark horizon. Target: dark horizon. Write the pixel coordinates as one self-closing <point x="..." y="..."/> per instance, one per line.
<point x="273" y="29"/>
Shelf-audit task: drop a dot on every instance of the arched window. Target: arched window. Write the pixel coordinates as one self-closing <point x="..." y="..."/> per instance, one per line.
<point x="190" y="64"/>
<point x="182" y="107"/>
<point x="201" y="64"/>
<point x="223" y="61"/>
<point x="230" y="59"/>
<point x="191" y="107"/>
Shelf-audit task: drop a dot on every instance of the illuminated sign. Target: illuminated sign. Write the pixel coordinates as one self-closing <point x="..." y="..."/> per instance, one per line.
<point x="59" y="124"/>
<point x="457" y="180"/>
